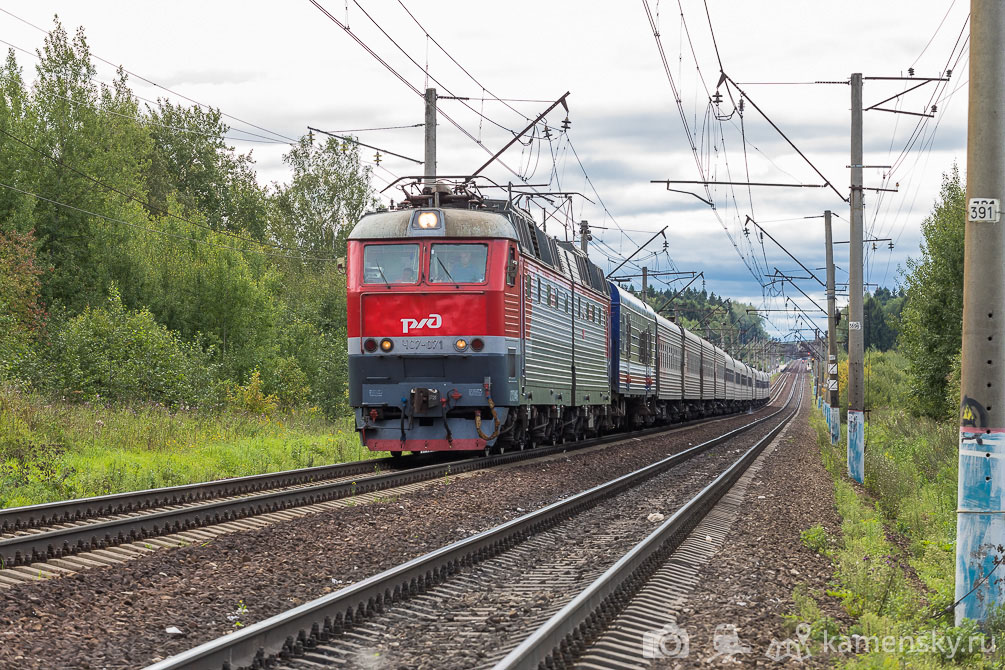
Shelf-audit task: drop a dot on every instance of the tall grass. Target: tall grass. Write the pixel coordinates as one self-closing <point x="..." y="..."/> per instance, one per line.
<point x="54" y="451"/>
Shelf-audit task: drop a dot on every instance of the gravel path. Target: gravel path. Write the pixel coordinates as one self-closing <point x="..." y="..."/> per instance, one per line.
<point x="118" y="617"/>
<point x="749" y="583"/>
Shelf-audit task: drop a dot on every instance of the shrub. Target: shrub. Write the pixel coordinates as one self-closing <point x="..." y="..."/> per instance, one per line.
<point x="288" y="383"/>
<point x="252" y="397"/>
<point x="125" y="355"/>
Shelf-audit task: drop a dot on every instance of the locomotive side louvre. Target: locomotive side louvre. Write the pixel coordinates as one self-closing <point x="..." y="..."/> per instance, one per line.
<point x="588" y="315"/>
<point x="547" y="339"/>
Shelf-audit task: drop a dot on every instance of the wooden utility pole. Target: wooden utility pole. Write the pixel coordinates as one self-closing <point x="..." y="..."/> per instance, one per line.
<point x="980" y="529"/>
<point x="856" y="349"/>
<point x="430" y="139"/>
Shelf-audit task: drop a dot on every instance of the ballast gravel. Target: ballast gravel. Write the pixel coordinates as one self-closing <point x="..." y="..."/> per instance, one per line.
<point x="120" y="616"/>
<point x="745" y="592"/>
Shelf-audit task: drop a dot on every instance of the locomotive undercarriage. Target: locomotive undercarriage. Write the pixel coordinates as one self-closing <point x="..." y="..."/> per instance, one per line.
<point x="527" y="426"/>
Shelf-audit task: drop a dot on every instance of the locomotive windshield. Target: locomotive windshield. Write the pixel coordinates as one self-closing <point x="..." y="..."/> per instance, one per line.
<point x="391" y="264"/>
<point x="457" y="263"/>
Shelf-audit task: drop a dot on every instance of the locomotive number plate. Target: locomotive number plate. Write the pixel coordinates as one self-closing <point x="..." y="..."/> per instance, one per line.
<point x="416" y="344"/>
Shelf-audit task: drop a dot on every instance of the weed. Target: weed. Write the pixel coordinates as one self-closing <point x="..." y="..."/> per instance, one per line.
<point x="239" y="613"/>
<point x="816" y="539"/>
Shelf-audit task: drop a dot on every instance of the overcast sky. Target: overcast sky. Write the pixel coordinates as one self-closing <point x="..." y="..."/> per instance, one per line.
<point x="286" y="66"/>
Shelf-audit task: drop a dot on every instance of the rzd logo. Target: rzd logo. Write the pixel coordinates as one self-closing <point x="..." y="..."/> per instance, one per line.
<point x="431" y="321"/>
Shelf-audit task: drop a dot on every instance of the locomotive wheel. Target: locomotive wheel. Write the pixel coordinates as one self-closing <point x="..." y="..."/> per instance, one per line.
<point x="397" y="454"/>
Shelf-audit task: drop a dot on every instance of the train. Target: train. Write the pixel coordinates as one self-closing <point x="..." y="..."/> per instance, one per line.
<point x="471" y="329"/>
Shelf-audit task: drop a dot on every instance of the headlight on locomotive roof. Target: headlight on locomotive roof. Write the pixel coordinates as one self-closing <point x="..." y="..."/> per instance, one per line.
<point x="461" y="344"/>
<point x="386" y="345"/>
<point x="427" y="220"/>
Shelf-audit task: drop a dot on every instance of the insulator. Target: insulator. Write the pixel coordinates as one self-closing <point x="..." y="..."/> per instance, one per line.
<point x="935" y="108"/>
<point x="949" y="73"/>
<point x="566" y="123"/>
<point x="910" y="71"/>
<point x="741" y="105"/>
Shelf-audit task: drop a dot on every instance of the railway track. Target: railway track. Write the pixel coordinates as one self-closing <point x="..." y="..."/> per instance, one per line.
<point x="511" y="596"/>
<point x="39" y="541"/>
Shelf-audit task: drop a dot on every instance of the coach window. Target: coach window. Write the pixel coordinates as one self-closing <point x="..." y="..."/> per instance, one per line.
<point x="529" y="288"/>
<point x="390" y="263"/>
<point x="457" y="263"/>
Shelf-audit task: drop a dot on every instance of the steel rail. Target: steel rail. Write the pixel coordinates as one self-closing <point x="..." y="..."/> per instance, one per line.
<point x="30" y="516"/>
<point x="33" y="516"/>
<point x="46" y="544"/>
<point x="557" y="642"/>
<point x="288" y="634"/>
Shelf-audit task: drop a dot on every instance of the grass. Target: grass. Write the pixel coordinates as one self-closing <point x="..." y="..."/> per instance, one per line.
<point x="55" y="451"/>
<point x="894" y="562"/>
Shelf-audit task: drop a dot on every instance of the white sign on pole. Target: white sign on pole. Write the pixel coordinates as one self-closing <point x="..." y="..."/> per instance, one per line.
<point x="983" y="210"/>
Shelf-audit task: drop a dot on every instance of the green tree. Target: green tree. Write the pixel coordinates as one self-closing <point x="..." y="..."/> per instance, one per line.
<point x="329" y="192"/>
<point x="86" y="150"/>
<point x="931" y="322"/>
<point x="192" y="160"/>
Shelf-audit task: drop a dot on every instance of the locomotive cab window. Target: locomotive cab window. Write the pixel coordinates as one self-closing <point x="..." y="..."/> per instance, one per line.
<point x="457" y="263"/>
<point x="390" y="263"/>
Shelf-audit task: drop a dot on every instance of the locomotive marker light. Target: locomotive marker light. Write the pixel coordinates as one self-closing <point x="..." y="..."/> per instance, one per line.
<point x="370" y="345"/>
<point x="461" y="344"/>
<point x="386" y="345"/>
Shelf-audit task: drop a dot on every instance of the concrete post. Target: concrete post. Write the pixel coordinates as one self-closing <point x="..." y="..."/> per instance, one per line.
<point x="980" y="526"/>
<point x="430" y="140"/>
<point x="856" y="349"/>
<point x="833" y="394"/>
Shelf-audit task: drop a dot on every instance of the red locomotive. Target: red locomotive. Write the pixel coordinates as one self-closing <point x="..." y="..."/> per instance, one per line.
<point x="471" y="329"/>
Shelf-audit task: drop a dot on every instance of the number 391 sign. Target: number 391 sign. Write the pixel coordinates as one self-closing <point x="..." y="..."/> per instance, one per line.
<point x="983" y="210"/>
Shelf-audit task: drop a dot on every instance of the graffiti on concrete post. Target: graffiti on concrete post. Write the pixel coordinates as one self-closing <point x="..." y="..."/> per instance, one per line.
<point x="856" y="445"/>
<point x="835" y="425"/>
<point x="980" y="522"/>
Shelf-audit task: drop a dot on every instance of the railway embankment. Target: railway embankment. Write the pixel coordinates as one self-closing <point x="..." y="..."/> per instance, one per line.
<point x="819" y="571"/>
<point x="130" y="614"/>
